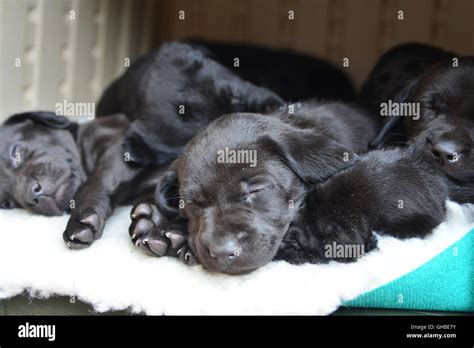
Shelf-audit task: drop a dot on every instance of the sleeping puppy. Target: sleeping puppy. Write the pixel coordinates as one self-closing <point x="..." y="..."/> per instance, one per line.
<point x="397" y="192"/>
<point x="50" y="165"/>
<point x="444" y="93"/>
<point x="178" y="89"/>
<point x="306" y="187"/>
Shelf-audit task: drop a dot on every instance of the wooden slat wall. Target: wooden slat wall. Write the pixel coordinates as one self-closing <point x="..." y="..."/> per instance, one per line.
<point x="334" y="29"/>
<point x="75" y="59"/>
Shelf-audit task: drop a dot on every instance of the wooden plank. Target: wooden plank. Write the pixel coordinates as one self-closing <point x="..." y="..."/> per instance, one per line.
<point x="146" y="42"/>
<point x="457" y="26"/>
<point x="416" y="25"/>
<point x="311" y="26"/>
<point x="359" y="44"/>
<point x="112" y="21"/>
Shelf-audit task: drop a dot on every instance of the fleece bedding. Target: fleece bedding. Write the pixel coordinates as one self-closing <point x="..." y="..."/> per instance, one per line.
<point x="115" y="275"/>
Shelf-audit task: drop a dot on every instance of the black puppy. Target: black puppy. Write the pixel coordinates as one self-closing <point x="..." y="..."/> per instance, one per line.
<point x="398" y="192"/>
<point x="305" y="189"/>
<point x="50" y="165"/>
<point x="174" y="91"/>
<point x="442" y="86"/>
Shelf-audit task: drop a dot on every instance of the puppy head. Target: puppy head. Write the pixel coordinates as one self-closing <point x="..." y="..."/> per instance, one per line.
<point x="240" y="183"/>
<point x="446" y="97"/>
<point x="41" y="165"/>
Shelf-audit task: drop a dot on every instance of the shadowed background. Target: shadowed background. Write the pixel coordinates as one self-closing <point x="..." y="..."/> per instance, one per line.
<point x="64" y="58"/>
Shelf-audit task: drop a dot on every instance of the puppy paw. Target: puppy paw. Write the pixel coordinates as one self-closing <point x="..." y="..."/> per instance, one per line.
<point x="153" y="242"/>
<point x="82" y="230"/>
<point x="165" y="239"/>
<point x="144" y="218"/>
<point x="156" y="236"/>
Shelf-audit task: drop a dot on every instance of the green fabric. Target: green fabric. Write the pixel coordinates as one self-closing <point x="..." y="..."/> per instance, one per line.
<point x="445" y="283"/>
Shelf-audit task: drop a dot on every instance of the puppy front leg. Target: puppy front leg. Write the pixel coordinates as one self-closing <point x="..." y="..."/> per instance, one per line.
<point x="107" y="186"/>
<point x="326" y="226"/>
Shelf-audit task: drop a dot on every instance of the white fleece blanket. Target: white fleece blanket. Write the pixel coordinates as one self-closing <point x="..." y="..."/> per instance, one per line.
<point x="114" y="275"/>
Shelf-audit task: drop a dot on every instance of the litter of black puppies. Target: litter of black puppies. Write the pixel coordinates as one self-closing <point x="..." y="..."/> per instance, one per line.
<point x="267" y="171"/>
<point x="62" y="164"/>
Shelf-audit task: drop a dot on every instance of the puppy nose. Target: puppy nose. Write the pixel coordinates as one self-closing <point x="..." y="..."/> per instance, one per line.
<point x="35" y="193"/>
<point x="446" y="151"/>
<point x="227" y="251"/>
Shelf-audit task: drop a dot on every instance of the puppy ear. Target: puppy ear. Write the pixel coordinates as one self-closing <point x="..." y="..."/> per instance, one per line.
<point x="49" y="119"/>
<point x="143" y="149"/>
<point x="313" y="158"/>
<point x="405" y="95"/>
<point x="167" y="192"/>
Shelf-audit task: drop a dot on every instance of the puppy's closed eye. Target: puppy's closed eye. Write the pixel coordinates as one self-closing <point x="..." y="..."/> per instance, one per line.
<point x="251" y="192"/>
